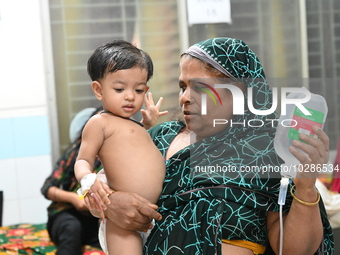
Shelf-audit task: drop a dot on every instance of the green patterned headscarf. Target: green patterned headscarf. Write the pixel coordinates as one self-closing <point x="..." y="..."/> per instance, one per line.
<point x="237" y="61"/>
<point x="249" y="145"/>
<point x="230" y="56"/>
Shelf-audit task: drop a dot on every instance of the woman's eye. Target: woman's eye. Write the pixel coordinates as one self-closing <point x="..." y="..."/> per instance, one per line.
<point x="182" y="88"/>
<point x="119" y="90"/>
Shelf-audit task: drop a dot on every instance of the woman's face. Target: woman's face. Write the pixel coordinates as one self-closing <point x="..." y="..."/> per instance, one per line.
<point x="193" y="82"/>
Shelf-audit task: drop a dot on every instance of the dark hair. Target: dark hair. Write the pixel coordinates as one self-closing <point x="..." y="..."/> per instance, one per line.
<point x="117" y="55"/>
<point x="209" y="68"/>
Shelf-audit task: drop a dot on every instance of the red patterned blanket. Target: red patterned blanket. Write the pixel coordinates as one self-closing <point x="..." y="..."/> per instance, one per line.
<point x="31" y="239"/>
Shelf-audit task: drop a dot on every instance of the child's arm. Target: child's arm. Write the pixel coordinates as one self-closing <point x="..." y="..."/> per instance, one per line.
<point x="152" y="113"/>
<point x="92" y="140"/>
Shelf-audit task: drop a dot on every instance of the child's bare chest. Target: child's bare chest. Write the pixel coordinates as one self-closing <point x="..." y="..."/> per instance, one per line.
<point x="125" y="134"/>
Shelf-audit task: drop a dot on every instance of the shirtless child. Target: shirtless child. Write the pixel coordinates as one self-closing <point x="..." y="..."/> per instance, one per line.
<point x="119" y="72"/>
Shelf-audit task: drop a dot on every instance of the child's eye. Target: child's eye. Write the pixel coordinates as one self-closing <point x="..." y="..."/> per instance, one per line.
<point x="119" y="90"/>
<point x="139" y="91"/>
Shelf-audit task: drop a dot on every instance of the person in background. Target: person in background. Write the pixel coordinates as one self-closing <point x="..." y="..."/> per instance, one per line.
<point x="70" y="225"/>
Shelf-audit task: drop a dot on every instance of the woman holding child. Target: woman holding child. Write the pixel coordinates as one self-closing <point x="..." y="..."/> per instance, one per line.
<point x="225" y="212"/>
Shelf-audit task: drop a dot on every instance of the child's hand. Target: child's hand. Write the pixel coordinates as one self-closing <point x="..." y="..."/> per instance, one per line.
<point x="90" y="203"/>
<point x="152" y="113"/>
<point x="101" y="188"/>
<point x="97" y="195"/>
<point x="101" y="191"/>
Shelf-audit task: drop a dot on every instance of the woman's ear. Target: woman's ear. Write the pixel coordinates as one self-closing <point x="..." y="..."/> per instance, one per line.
<point x="97" y="90"/>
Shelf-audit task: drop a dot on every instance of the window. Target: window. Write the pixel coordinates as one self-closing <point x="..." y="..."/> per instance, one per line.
<point x="79" y="26"/>
<point x="270" y="27"/>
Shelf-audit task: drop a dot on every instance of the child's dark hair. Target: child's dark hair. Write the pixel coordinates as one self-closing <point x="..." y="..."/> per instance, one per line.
<point x="117" y="55"/>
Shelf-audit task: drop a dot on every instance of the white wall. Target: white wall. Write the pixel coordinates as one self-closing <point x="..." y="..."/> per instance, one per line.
<point x="25" y="137"/>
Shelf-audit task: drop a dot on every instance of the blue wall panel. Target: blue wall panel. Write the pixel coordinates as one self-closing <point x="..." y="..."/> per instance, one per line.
<point x="24" y="137"/>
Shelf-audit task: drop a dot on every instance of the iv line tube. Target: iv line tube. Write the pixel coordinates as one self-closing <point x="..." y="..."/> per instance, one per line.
<point x="281" y="201"/>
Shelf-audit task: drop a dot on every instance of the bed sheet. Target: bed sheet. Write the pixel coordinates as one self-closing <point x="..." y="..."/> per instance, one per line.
<point x="31" y="239"/>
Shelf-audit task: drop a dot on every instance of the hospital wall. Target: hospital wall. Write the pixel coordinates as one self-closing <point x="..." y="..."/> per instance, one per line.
<point x="25" y="136"/>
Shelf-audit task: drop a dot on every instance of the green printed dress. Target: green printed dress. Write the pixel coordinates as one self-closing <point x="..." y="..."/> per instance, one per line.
<point x="201" y="209"/>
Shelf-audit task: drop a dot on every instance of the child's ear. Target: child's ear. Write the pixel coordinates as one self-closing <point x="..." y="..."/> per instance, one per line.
<point x="147" y="89"/>
<point x="97" y="90"/>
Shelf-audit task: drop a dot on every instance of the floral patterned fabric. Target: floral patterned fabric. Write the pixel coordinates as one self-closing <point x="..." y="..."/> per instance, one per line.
<point x="31" y="240"/>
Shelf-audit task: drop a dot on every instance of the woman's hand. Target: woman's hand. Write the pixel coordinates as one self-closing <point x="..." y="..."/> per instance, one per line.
<point x="303" y="228"/>
<point x="127" y="210"/>
<point x="131" y="211"/>
<point x="152" y="113"/>
<point x="318" y="153"/>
